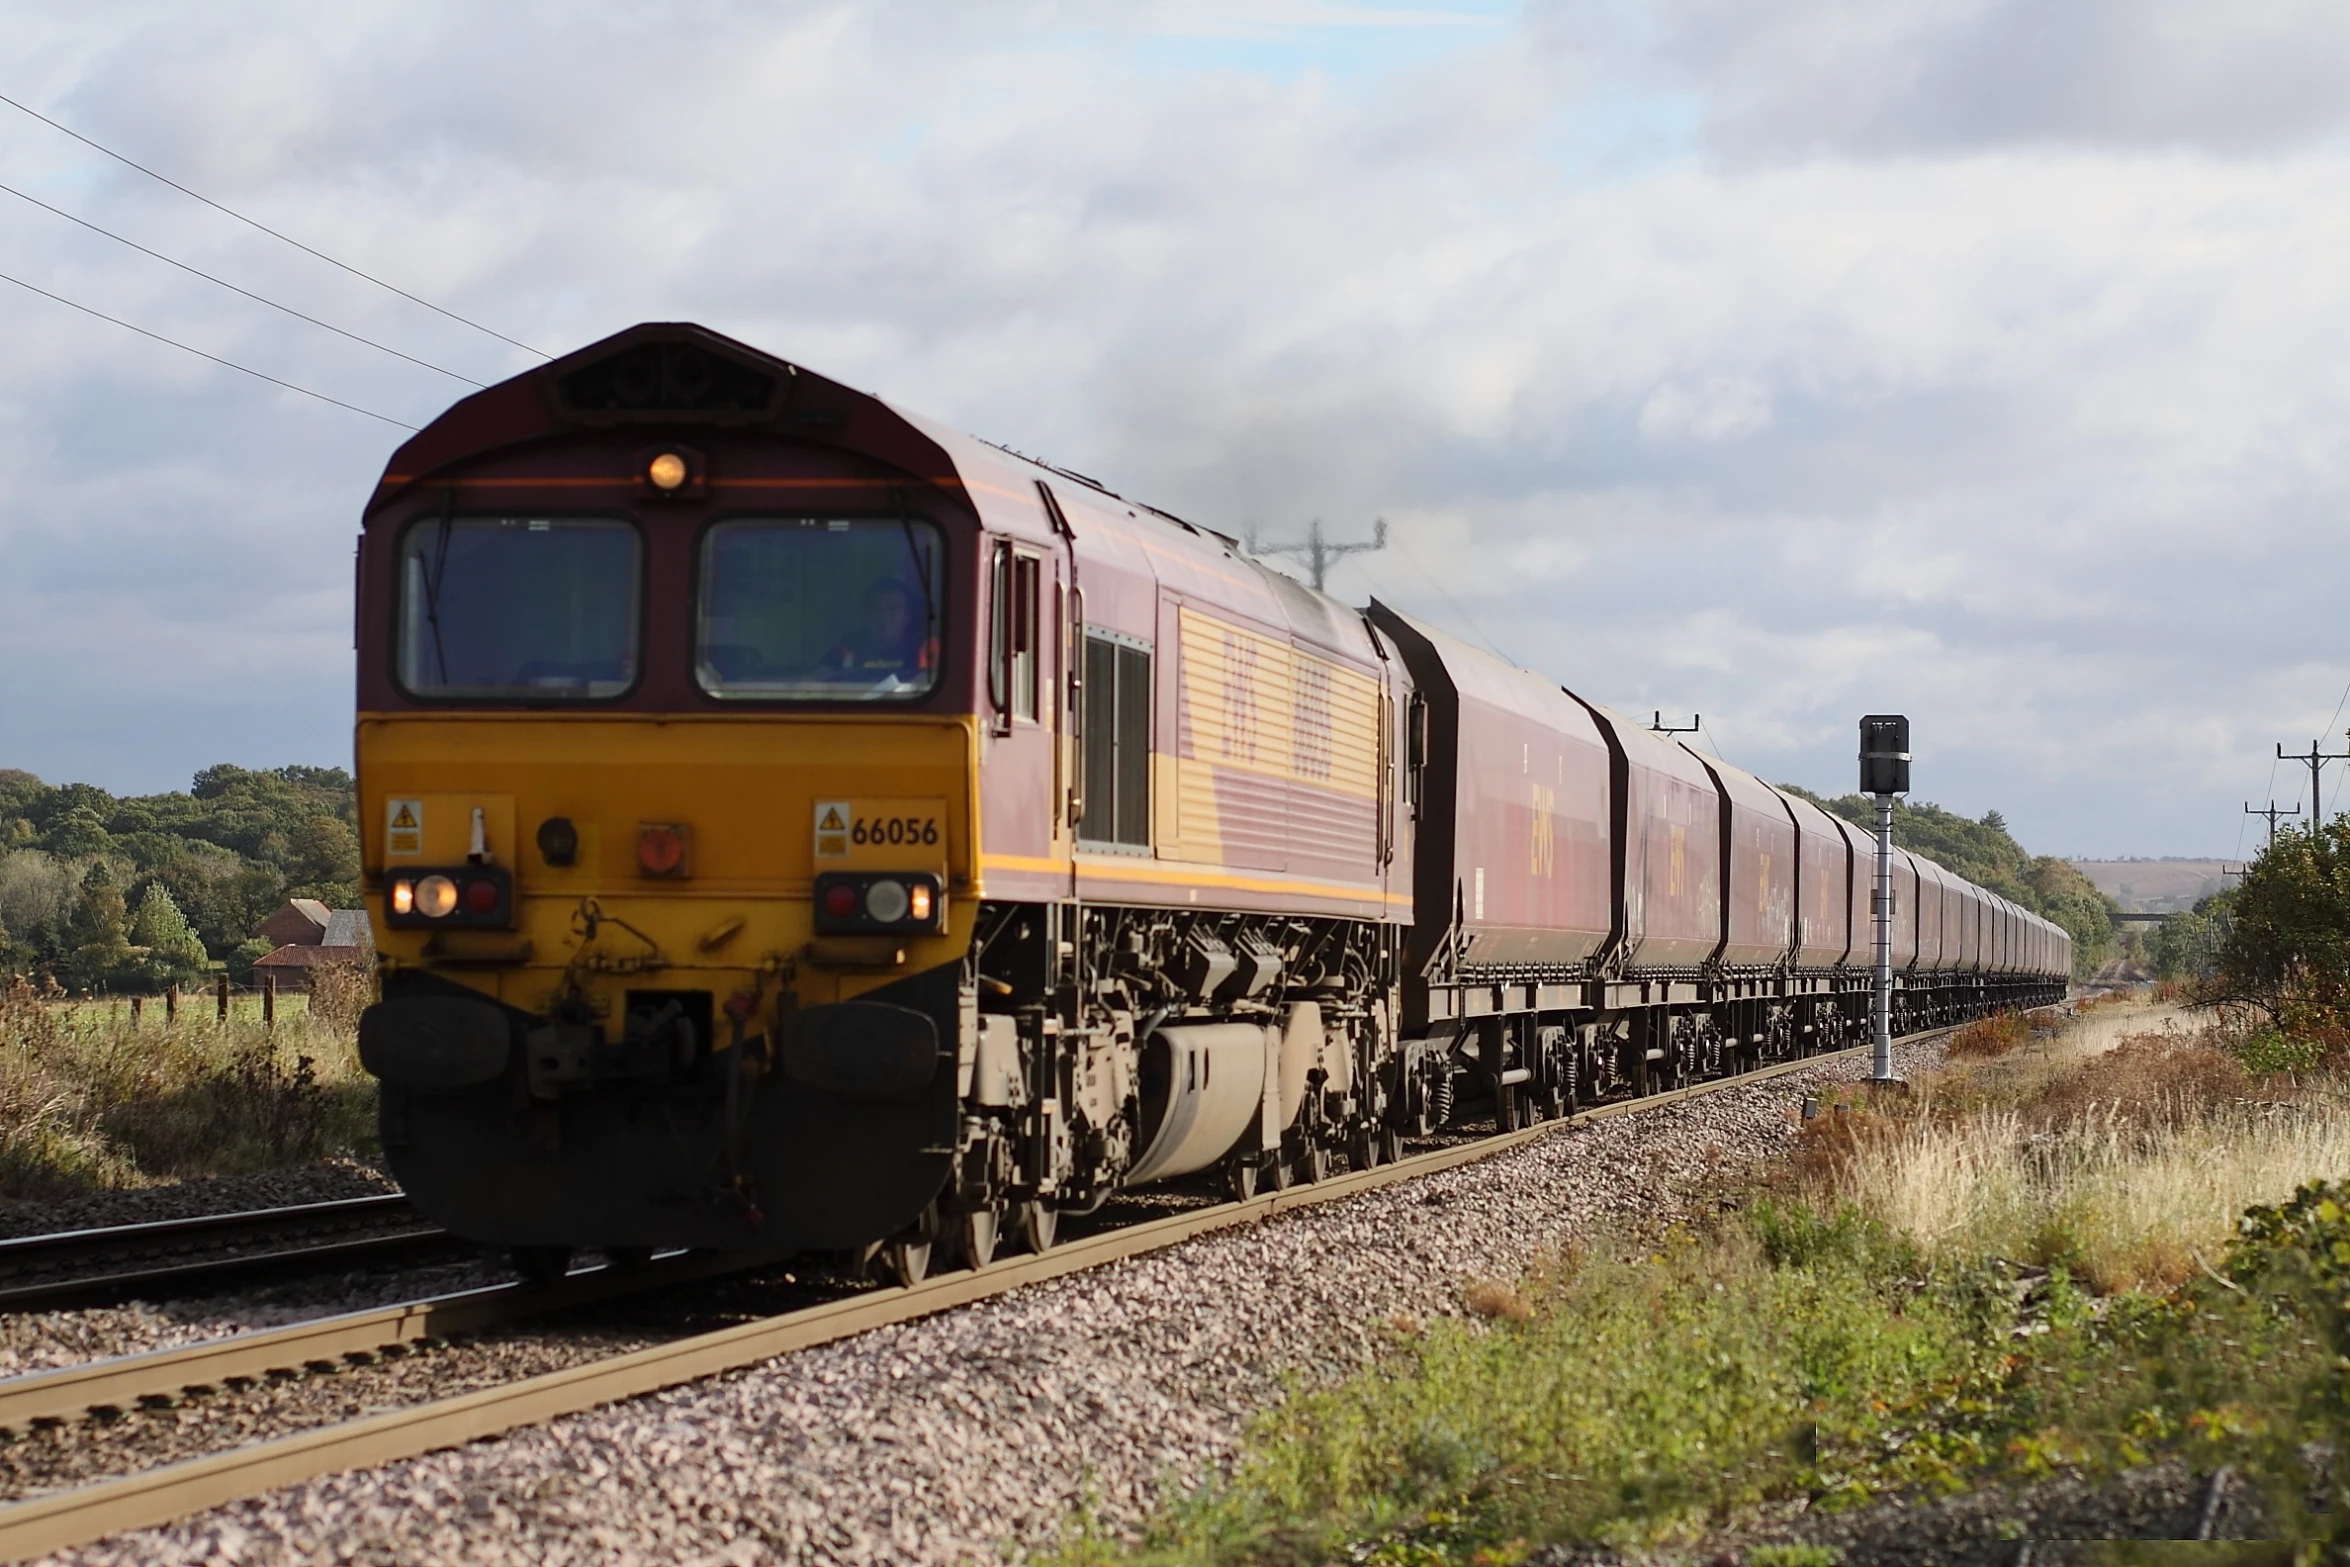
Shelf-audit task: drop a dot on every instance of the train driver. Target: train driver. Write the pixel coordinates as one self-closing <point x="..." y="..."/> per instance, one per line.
<point x="893" y="643"/>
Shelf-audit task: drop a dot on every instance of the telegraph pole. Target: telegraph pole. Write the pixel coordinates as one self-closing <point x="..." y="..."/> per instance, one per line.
<point x="1319" y="553"/>
<point x="2272" y="813"/>
<point x="1884" y="772"/>
<point x="2315" y="760"/>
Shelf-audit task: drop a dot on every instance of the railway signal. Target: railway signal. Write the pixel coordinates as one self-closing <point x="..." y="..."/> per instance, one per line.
<point x="1884" y="772"/>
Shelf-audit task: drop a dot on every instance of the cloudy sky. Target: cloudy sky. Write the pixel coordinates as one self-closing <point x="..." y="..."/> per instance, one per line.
<point x="1986" y="360"/>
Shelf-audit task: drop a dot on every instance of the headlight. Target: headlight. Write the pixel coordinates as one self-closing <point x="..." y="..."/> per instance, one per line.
<point x="885" y="902"/>
<point x="436" y="897"/>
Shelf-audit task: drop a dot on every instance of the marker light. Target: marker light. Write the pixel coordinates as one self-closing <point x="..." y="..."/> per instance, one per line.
<point x="436" y="897"/>
<point x="403" y="896"/>
<point x="918" y="903"/>
<point x="481" y="897"/>
<point x="885" y="902"/>
<point x="660" y="848"/>
<point x="667" y="471"/>
<point x="840" y="901"/>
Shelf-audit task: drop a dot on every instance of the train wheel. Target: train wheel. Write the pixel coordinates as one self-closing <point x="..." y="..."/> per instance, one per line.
<point x="1038" y="1226"/>
<point x="976" y="1236"/>
<point x="1314" y="1163"/>
<point x="1240" y="1179"/>
<point x="1362" y="1149"/>
<point x="1505" y="1110"/>
<point x="1279" y="1173"/>
<point x="627" y="1259"/>
<point x="1390" y="1144"/>
<point x="904" y="1262"/>
<point x="541" y="1264"/>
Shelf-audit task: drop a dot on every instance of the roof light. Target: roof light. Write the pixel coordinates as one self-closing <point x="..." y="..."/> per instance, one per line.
<point x="667" y="471"/>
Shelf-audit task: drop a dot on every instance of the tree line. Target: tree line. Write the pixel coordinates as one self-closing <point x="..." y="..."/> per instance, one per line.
<point x="140" y="892"/>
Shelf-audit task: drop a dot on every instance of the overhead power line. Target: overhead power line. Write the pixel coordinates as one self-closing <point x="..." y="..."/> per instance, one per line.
<point x="201" y="354"/>
<point x="261" y="299"/>
<point x="272" y="233"/>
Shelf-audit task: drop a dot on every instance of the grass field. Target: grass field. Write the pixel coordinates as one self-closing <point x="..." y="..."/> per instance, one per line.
<point x="2035" y="1261"/>
<point x="90" y="1099"/>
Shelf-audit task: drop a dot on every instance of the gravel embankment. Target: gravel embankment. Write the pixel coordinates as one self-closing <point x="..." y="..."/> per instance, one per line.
<point x="945" y="1440"/>
<point x="42" y="1340"/>
<point x="329" y="1180"/>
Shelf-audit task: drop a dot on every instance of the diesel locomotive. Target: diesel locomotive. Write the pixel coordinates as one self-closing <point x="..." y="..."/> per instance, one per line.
<point x="795" y="825"/>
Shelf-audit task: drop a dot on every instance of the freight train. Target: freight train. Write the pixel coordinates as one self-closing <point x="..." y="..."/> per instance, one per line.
<point x="798" y="826"/>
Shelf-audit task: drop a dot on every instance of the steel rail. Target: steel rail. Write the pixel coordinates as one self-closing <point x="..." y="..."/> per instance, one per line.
<point x="29" y="1265"/>
<point x="157" y="1496"/>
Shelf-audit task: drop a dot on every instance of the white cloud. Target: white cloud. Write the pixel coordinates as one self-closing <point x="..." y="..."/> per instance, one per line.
<point x="2035" y="435"/>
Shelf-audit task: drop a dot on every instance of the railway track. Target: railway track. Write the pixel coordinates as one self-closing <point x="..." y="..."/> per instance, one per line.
<point x="45" y="1271"/>
<point x="141" y="1500"/>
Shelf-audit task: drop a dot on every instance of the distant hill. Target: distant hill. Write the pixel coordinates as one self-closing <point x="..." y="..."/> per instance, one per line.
<point x="2154" y="886"/>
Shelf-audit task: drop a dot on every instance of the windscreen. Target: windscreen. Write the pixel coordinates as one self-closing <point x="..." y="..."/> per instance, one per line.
<point x="819" y="609"/>
<point x="536" y="609"/>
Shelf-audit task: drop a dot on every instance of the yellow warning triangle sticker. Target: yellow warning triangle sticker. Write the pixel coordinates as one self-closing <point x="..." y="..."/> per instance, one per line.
<point x="832" y="821"/>
<point x="405" y="820"/>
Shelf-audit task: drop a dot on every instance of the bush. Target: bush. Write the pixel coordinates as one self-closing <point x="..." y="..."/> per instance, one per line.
<point x="2266" y="1052"/>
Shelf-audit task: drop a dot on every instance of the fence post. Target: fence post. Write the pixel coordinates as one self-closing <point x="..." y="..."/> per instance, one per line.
<point x="171" y="1005"/>
<point x="224" y="999"/>
<point x="269" y="1001"/>
<point x="136" y="1002"/>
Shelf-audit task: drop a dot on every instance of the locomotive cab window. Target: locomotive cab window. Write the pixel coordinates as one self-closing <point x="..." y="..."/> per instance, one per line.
<point x="819" y="609"/>
<point x="533" y="609"/>
<point x="1116" y="743"/>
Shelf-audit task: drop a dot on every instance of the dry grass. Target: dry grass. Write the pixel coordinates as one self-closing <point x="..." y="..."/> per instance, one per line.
<point x="1988" y="1038"/>
<point x="1496" y="1301"/>
<point x="89" y="1100"/>
<point x="2122" y="1153"/>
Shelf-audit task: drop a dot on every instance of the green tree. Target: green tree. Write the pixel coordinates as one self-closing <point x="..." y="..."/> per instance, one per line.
<point x="2287" y="943"/>
<point x="174" y="955"/>
<point x="100" y="954"/>
<point x="79" y="834"/>
<point x="322" y="862"/>
<point x="2187" y="944"/>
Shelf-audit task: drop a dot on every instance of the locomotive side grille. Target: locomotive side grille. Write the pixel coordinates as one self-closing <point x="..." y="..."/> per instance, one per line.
<point x="1117" y="743"/>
